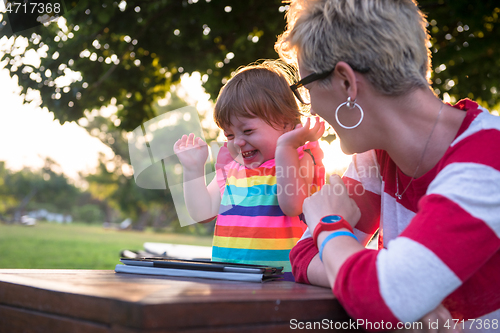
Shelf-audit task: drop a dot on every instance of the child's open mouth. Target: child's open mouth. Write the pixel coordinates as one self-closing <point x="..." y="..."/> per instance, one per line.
<point x="249" y="154"/>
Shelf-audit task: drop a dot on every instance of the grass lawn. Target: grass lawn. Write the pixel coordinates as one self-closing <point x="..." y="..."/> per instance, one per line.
<point x="68" y="246"/>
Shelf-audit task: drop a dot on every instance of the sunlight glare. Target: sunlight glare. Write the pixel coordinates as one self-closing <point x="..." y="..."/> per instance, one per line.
<point x="30" y="134"/>
<point x="335" y="160"/>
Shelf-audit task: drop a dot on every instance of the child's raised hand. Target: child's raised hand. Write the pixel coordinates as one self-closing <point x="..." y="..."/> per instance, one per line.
<point x="192" y="152"/>
<point x="302" y="134"/>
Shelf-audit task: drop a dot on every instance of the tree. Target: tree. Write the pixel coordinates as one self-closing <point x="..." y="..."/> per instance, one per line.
<point x="129" y="53"/>
<point x="113" y="184"/>
<point x="133" y="51"/>
<point x="27" y="190"/>
<point x="466" y="48"/>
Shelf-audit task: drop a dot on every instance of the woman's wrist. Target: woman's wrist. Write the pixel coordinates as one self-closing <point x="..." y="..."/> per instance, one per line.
<point x="324" y="234"/>
<point x="328" y="238"/>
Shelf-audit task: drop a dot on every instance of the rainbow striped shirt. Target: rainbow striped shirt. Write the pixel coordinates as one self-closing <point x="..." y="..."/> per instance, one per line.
<point x="251" y="228"/>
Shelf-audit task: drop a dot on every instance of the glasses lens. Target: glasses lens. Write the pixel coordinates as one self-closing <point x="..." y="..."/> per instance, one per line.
<point x="304" y="95"/>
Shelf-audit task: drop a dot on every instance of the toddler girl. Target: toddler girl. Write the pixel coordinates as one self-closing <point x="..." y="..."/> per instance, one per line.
<point x="263" y="173"/>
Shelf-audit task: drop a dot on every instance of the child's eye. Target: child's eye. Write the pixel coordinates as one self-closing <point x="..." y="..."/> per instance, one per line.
<point x="229" y="136"/>
<point x="248" y="131"/>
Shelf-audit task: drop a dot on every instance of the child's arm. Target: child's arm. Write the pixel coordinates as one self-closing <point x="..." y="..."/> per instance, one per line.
<point x="202" y="201"/>
<point x="294" y="176"/>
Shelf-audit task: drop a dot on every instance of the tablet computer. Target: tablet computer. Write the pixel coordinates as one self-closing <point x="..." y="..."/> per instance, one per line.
<point x="203" y="265"/>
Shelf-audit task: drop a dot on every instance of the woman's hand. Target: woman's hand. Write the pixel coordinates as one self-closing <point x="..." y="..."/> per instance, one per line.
<point x="192" y="152"/>
<point x="332" y="199"/>
<point x="302" y="134"/>
<point x="434" y="322"/>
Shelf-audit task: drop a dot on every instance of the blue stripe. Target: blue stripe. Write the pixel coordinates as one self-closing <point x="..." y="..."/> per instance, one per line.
<point x="250" y="255"/>
<point x="251" y="211"/>
<point x="252" y="190"/>
<point x="264" y="200"/>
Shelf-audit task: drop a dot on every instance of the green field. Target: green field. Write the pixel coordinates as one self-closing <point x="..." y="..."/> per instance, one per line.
<point x="51" y="245"/>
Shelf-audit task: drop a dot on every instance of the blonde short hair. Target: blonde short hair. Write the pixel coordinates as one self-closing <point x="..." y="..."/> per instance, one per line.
<point x="387" y="36"/>
<point x="259" y="90"/>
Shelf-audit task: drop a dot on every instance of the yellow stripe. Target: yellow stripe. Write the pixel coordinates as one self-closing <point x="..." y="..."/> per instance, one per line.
<point x="251" y="181"/>
<point x="255" y="243"/>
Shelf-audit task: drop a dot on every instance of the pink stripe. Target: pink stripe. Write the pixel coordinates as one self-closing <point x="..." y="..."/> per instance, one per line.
<point x="259" y="221"/>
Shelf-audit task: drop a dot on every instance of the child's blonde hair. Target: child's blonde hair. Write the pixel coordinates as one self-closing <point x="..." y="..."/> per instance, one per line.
<point x="388" y="37"/>
<point x="260" y="90"/>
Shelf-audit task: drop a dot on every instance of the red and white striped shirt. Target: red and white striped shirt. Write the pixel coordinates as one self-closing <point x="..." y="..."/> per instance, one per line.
<point x="439" y="244"/>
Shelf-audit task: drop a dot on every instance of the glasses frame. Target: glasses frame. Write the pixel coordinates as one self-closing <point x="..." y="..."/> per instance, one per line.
<point x="318" y="76"/>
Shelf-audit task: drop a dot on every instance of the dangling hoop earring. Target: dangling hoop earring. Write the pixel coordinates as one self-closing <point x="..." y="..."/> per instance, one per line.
<point x="351" y="105"/>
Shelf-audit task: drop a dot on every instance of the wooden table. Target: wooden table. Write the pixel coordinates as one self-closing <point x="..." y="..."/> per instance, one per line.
<point x="68" y="301"/>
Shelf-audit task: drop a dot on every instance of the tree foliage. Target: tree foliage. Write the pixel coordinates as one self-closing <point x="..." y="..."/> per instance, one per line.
<point x="114" y="186"/>
<point x="129" y="53"/>
<point x="466" y="48"/>
<point x="26" y="189"/>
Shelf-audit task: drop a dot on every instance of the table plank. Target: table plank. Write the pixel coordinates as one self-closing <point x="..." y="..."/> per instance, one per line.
<point x="141" y="303"/>
<point x="26" y="321"/>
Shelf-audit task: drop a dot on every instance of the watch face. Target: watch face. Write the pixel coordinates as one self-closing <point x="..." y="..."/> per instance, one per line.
<point x="331" y="219"/>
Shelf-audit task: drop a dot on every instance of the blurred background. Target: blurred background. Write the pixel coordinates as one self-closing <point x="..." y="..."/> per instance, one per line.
<point x="76" y="77"/>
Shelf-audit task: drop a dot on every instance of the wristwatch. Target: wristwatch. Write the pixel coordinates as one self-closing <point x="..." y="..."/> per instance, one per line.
<point x="330" y="223"/>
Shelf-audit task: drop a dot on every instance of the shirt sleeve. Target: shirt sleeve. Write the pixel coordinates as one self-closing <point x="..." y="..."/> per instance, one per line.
<point x="452" y="238"/>
<point x="363" y="182"/>
<point x="364" y="185"/>
<point x="300" y="257"/>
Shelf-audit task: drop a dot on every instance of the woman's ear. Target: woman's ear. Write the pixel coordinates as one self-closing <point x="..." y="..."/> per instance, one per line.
<point x="347" y="79"/>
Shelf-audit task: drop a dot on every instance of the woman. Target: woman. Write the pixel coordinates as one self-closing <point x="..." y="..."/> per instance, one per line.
<point x="425" y="173"/>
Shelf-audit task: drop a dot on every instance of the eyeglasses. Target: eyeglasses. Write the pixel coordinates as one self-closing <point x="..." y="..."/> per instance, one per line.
<point x="302" y="93"/>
